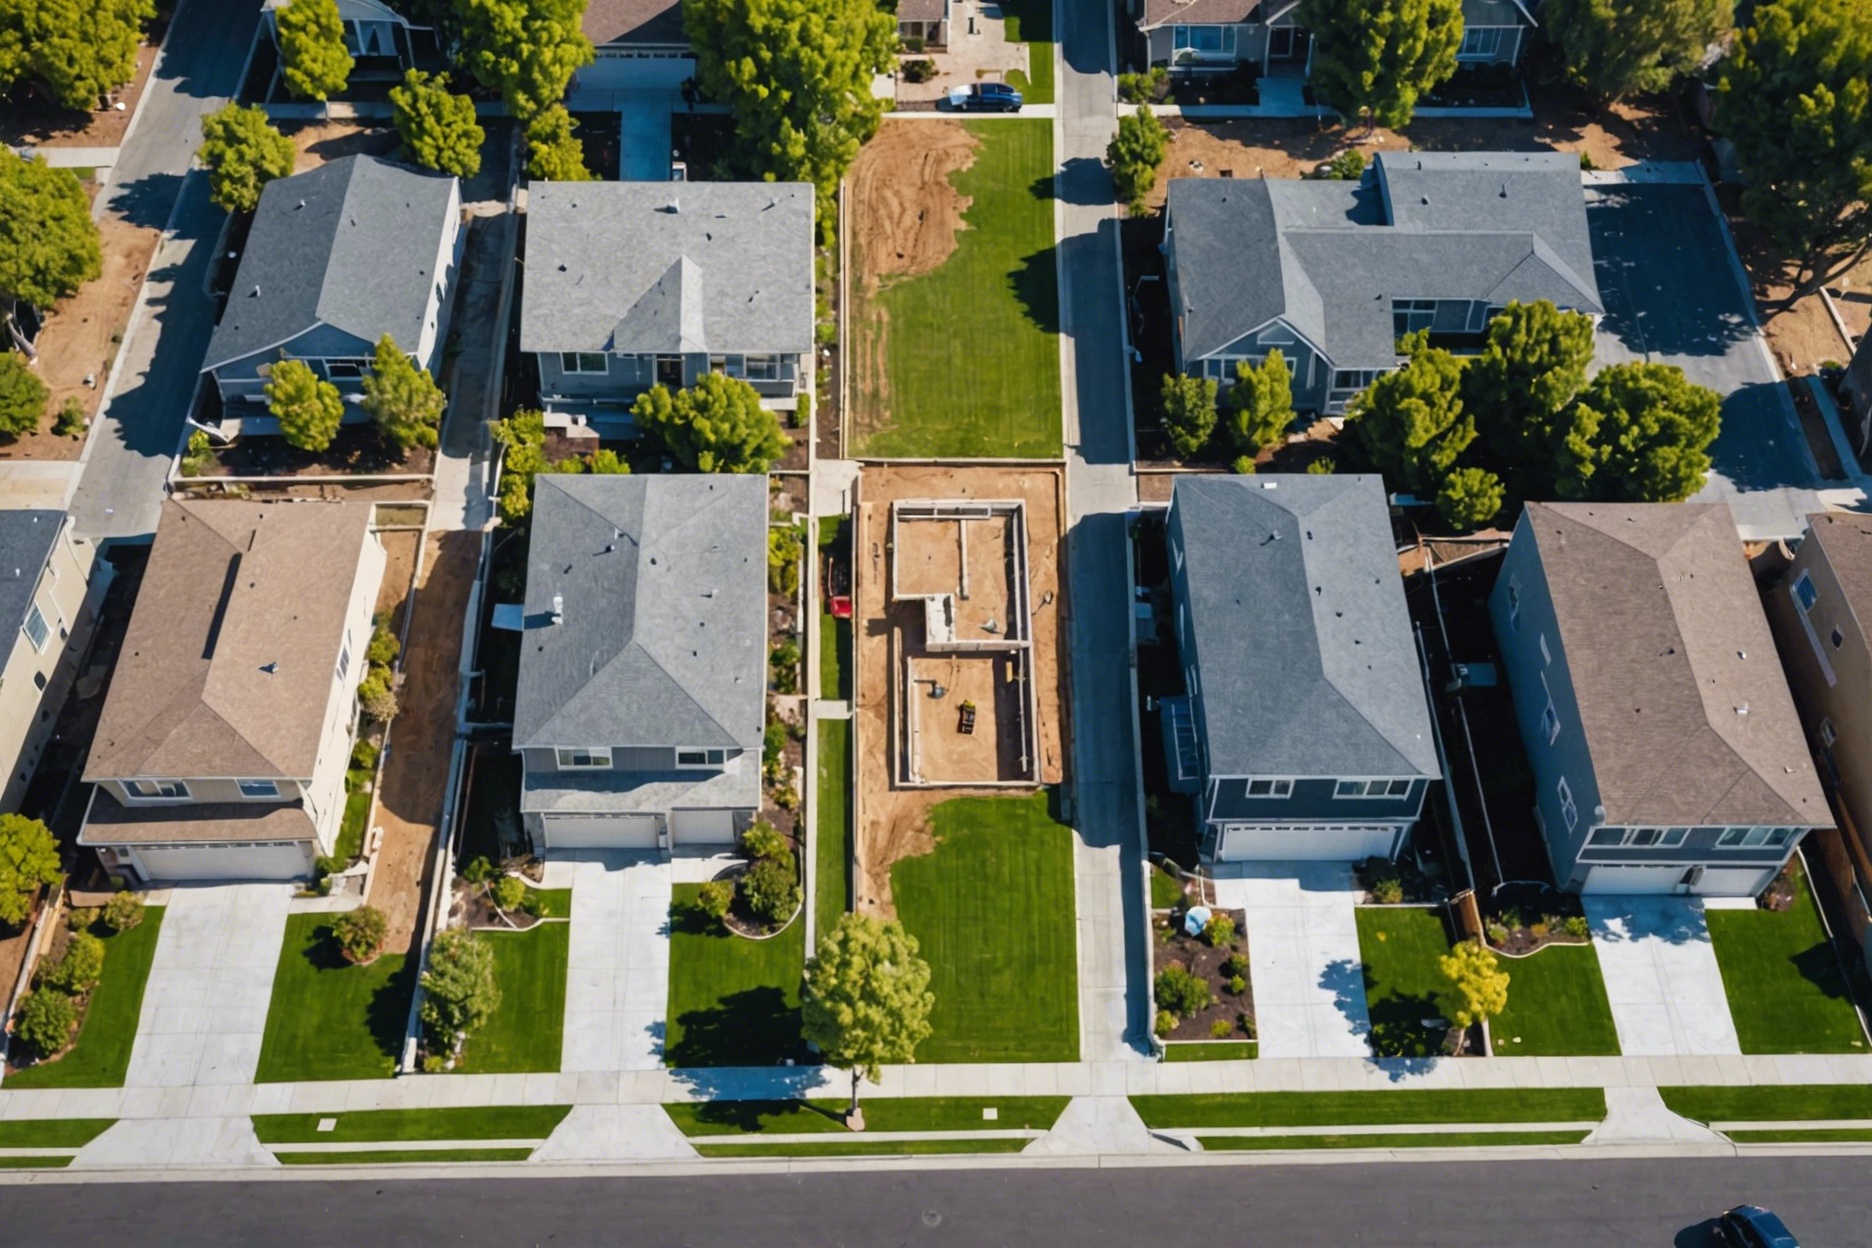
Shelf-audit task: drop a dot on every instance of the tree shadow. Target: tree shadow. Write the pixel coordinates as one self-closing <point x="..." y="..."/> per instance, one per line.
<point x="753" y="1027"/>
<point x="1397" y="1026"/>
<point x="389" y="1010"/>
<point x="1819" y="965"/>
<point x="1035" y="283"/>
<point x="1349" y="983"/>
<point x="148" y="201"/>
<point x="754" y="1115"/>
<point x="1082" y="181"/>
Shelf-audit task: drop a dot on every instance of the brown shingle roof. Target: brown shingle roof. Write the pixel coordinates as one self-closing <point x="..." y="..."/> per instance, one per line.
<point x="634" y="21"/>
<point x="1846" y="540"/>
<point x="110" y="822"/>
<point x="1683" y="703"/>
<point x="922" y="10"/>
<point x="227" y="667"/>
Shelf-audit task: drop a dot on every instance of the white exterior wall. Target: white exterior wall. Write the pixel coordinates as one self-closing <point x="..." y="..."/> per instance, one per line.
<point x="325" y="794"/>
<point x="68" y="599"/>
<point x="442" y="291"/>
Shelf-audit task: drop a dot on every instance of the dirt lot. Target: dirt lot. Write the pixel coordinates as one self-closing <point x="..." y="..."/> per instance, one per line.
<point x="322" y="141"/>
<point x="892" y="822"/>
<point x="1803" y="336"/>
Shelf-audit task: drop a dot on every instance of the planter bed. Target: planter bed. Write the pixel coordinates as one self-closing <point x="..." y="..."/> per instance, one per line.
<point x="1172" y="946"/>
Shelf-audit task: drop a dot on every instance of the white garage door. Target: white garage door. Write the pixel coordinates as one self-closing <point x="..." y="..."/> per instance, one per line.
<point x="279" y="860"/>
<point x="600" y="831"/>
<point x="1733" y="881"/>
<point x="702" y="827"/>
<point x="1332" y="842"/>
<point x="1630" y="881"/>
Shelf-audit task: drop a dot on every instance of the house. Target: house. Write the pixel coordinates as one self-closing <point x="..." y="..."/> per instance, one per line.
<point x="1856" y="395"/>
<point x="1305" y="730"/>
<point x="1332" y="273"/>
<point x="643" y="662"/>
<point x="1212" y="35"/>
<point x="382" y="41"/>
<point x="1666" y="753"/>
<point x="638" y="284"/>
<point x="51" y="585"/>
<point x="223" y="743"/>
<point x="637" y="45"/>
<point x="923" y="24"/>
<point x="338" y="257"/>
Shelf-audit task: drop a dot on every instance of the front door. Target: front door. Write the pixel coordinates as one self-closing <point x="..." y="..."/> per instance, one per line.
<point x="1280" y="43"/>
<point x="669" y="371"/>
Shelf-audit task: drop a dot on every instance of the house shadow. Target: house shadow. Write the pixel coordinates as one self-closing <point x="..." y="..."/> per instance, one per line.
<point x="753" y="1027"/>
<point x="726" y="1090"/>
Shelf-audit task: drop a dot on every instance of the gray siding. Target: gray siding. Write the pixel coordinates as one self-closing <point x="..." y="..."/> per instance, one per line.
<point x="1312" y="801"/>
<point x="631" y="375"/>
<point x="623" y="758"/>
<point x="241" y="379"/>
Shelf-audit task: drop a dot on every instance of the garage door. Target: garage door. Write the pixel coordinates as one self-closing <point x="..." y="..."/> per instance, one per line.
<point x="1252" y="842"/>
<point x="600" y="831"/>
<point x="1606" y="880"/>
<point x="283" y="860"/>
<point x="1733" y="881"/>
<point x="702" y="827"/>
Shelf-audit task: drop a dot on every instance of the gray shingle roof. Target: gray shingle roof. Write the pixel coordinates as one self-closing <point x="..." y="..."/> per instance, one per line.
<point x="26" y="541"/>
<point x="651" y="267"/>
<point x="1308" y="663"/>
<point x="351" y="244"/>
<point x="663" y="580"/>
<point x="1475" y="12"/>
<point x="1330" y="256"/>
<point x="1682" y="699"/>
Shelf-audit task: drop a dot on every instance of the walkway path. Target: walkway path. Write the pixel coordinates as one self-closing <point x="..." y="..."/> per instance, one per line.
<point x="617" y="978"/>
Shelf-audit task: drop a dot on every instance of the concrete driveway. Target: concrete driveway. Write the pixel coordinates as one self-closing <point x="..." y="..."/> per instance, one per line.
<point x="1303" y="955"/>
<point x="617" y="977"/>
<point x="1661" y="976"/>
<point x="205" y="1004"/>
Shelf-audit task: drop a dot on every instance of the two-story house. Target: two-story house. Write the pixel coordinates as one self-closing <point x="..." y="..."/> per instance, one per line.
<point x="637" y="45"/>
<point x="337" y="258"/>
<point x="1333" y="273"/>
<point x="1666" y="752"/>
<point x="643" y="663"/>
<point x="382" y="42"/>
<point x="637" y="284"/>
<point x="51" y="585"/>
<point x="223" y="744"/>
<point x="1304" y="732"/>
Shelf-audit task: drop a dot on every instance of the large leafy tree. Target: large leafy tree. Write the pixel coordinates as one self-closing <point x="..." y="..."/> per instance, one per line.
<point x="1533" y="363"/>
<point x="77" y="50"/>
<point x="460" y="991"/>
<point x="1614" y="48"/>
<point x="1189" y="413"/>
<point x="554" y="154"/>
<point x="403" y="400"/>
<point x="866" y="999"/>
<point x="1260" y="404"/>
<point x="1381" y="55"/>
<point x="48" y="242"/>
<point x="438" y="127"/>
<point x="718" y="425"/>
<point x="315" y="62"/>
<point x="1469" y="498"/>
<point x="797" y="74"/>
<point x="1411" y="424"/>
<point x="29" y="858"/>
<point x="1639" y="433"/>
<point x="22" y="395"/>
<point x="527" y="50"/>
<point x="243" y="153"/>
<point x="308" y="407"/>
<point x="1134" y="154"/>
<point x="1796" y="100"/>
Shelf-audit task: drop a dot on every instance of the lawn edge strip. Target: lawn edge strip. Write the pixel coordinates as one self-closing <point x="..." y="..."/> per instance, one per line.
<point x="1768" y="1102"/>
<point x="449" y="1123"/>
<point x="52" y="1132"/>
<point x="1212" y="1051"/>
<point x="397" y="1156"/>
<point x="1796" y="1135"/>
<point x="1428" y="1139"/>
<point x="862" y="1148"/>
<point x="826" y="1116"/>
<point x="1371" y="1108"/>
<point x="35" y="1163"/>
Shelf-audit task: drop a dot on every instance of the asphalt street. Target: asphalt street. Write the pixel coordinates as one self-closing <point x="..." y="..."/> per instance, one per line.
<point x="1547" y="1204"/>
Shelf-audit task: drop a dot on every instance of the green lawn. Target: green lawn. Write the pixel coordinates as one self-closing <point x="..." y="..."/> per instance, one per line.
<point x="732" y="1001"/>
<point x="357" y="807"/>
<point x="413" y="1156"/>
<point x="551" y="903"/>
<point x="993" y="910"/>
<point x="862" y="1148"/>
<point x="835" y="635"/>
<point x="35" y="1163"/>
<point x="1414" y="1139"/>
<point x="51" y="1132"/>
<point x="1031" y="22"/>
<point x="919" y="1113"/>
<point x="102" y="1053"/>
<point x="1400" y="948"/>
<point x="1212" y="1051"/>
<point x="970" y="351"/>
<point x="1166" y="892"/>
<point x="1557" y="1006"/>
<point x="832" y="861"/>
<point x="1821" y="1135"/>
<point x="1780" y="1103"/>
<point x="1786" y="990"/>
<point x="528" y="1030"/>
<point x="329" y="1019"/>
<point x="492" y="1122"/>
<point x="1371" y="1109"/>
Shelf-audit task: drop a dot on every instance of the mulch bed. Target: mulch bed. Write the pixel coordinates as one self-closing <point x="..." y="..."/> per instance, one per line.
<point x="477" y="910"/>
<point x="1172" y="946"/>
<point x="356" y="451"/>
<point x="742" y="921"/>
<point x="1522" y="940"/>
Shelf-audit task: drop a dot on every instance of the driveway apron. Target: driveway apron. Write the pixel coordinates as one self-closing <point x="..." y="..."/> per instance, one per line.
<point x="1303" y="956"/>
<point x="1661" y="976"/>
<point x="617" y="980"/>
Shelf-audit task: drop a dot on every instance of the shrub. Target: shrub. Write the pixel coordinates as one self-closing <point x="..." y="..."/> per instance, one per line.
<point x="1180" y="992"/>
<point x="1388" y="891"/>
<point x="785" y="663"/>
<point x="785" y="547"/>
<point x="1321" y="467"/>
<point x="762" y="841"/>
<point x="1166" y="1023"/>
<point x="1243" y="466"/>
<point x="82" y="918"/>
<point x="1577" y="927"/>
<point x="1144" y="87"/>
<point x="714" y="898"/>
<point x="1512" y="917"/>
<point x="771" y="888"/>
<point x="434" y="1064"/>
<point x="786" y="797"/>
<point x="364" y="755"/>
<point x="384" y="647"/>
<point x="330" y="864"/>
<point x="375" y="697"/>
<point x="1238" y="985"/>
<point x="1539" y="929"/>
<point x="71" y="419"/>
<point x="1586" y="163"/>
<point x="199" y="457"/>
<point x="508" y="892"/>
<point x="78" y="969"/>
<point x="1236" y="966"/>
<point x="360" y="932"/>
<point x="921" y="70"/>
<point x="459" y="990"/>
<point x="1134" y="154"/>
<point x="1221" y="1029"/>
<point x="1497" y="934"/>
<point x="46" y="1019"/>
<point x="773" y="747"/>
<point x="478" y="871"/>
<point x="123" y="912"/>
<point x="1221" y="931"/>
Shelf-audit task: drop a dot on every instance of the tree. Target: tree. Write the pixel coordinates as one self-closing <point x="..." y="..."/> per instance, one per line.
<point x="48" y="242"/>
<point x="22" y="395"/>
<point x="1640" y="433"/>
<point x="361" y="932"/>
<point x="1614" y="48"/>
<point x="718" y="425"/>
<point x="866" y="999"/>
<point x="308" y="407"/>
<point x="714" y="898"/>
<point x="79" y="968"/>
<point x="1469" y="498"/>
<point x="527" y="50"/>
<point x="459" y="989"/>
<point x="1134" y="154"/>
<point x="313" y="57"/>
<point x="46" y="1019"/>
<point x="797" y="76"/>
<point x="1189" y="413"/>
<point x="28" y="858"/>
<point x="553" y="154"/>
<point x="1796" y="100"/>
<point x="403" y="400"/>
<point x="78" y="50"/>
<point x="1260" y="403"/>
<point x="375" y="696"/>
<point x="771" y="888"/>
<point x="438" y="128"/>
<point x="1376" y="57"/>
<point x="1410" y="425"/>
<point x="1533" y="363"/>
<point x="243" y="153"/>
<point x="123" y="911"/>
<point x="1478" y="987"/>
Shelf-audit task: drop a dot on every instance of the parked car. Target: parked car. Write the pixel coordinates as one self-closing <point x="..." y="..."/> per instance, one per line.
<point x="1751" y="1226"/>
<point x="985" y="97"/>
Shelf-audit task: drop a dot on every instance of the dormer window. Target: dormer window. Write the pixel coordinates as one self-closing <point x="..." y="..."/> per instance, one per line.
<point x="584" y="757"/>
<point x="167" y="790"/>
<point x="701" y="758"/>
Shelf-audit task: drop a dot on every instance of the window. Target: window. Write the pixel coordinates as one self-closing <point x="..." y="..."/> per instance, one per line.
<point x="1568" y="810"/>
<point x="343" y="370"/>
<point x="584" y="756"/>
<point x="1410" y="315"/>
<point x="582" y="362"/>
<point x="344" y="658"/>
<point x="700" y="758"/>
<point x="1805" y="593"/>
<point x="1839" y="639"/>
<point x="1731" y="838"/>
<point x="1270" y="788"/>
<point x="1606" y="836"/>
<point x="1481" y="42"/>
<point x="1372" y="788"/>
<point x="762" y="368"/>
<point x="1644" y="836"/>
<point x="258" y="788"/>
<point x="1204" y="40"/>
<point x="1754" y="838"/>
<point x="158" y="788"/>
<point x="35" y="628"/>
<point x="1674" y="836"/>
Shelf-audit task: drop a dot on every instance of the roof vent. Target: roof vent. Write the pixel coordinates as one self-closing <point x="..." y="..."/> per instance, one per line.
<point x="302" y="203"/>
<point x="675" y="206"/>
<point x="1742" y="709"/>
<point x="558" y="611"/>
<point x="254" y="293"/>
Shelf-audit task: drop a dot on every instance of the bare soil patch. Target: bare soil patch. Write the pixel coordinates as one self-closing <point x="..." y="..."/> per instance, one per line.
<point x="905" y="214"/>
<point x="322" y="141"/>
<point x="26" y="120"/>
